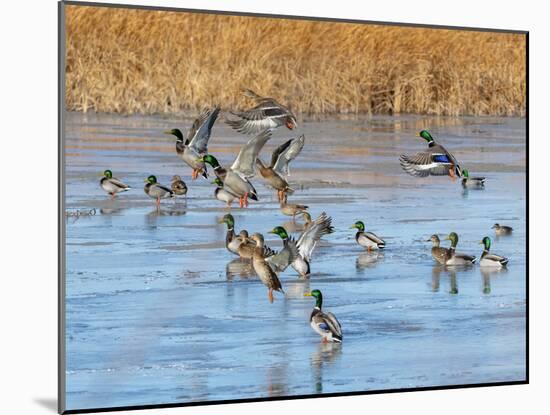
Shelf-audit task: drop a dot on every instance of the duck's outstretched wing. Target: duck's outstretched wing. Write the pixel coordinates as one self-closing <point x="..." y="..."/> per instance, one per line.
<point x="296" y="146"/>
<point x="309" y="238"/>
<point x="201" y="129"/>
<point x="245" y="162"/>
<point x="278" y="153"/>
<point x="267" y="115"/>
<point x="280" y="261"/>
<point x="439" y="150"/>
<point x="425" y="164"/>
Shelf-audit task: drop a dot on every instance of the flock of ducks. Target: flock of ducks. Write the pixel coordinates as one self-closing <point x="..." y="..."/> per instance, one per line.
<point x="234" y="182"/>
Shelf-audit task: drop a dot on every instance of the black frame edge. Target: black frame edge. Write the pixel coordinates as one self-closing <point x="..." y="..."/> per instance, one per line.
<point x="61" y="349"/>
<point x="291" y="17"/>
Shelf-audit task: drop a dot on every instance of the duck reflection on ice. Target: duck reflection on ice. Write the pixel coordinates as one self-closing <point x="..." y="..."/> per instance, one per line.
<point x="325" y="353"/>
<point x="239" y="268"/>
<point x="368" y="260"/>
<point x="487" y="273"/>
<point x="436" y="276"/>
<point x="296" y="289"/>
<point x="176" y="210"/>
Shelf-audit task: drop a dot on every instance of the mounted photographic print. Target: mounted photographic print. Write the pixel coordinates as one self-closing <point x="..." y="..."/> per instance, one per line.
<point x="260" y="207"/>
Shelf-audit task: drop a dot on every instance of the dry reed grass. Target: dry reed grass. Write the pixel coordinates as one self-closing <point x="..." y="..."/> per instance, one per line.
<point x="137" y="61"/>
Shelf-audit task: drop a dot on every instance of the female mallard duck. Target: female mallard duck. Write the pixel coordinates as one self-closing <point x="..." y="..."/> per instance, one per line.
<point x="112" y="185"/>
<point x="436" y="161"/>
<point x="502" y="229"/>
<point x="324" y="324"/>
<point x="468" y="181"/>
<point x="271" y="176"/>
<point x="222" y="194"/>
<point x="235" y="179"/>
<point x="491" y="260"/>
<point x="292" y="209"/>
<point x="196" y="144"/>
<point x="454" y="258"/>
<point x="156" y="190"/>
<point x="440" y="254"/>
<point x="268" y="114"/>
<point x="307" y="242"/>
<point x="262" y="268"/>
<point x="367" y="239"/>
<point x="178" y="186"/>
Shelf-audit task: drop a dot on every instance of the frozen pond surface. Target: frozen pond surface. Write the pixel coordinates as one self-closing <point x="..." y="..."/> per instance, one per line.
<point x="158" y="311"/>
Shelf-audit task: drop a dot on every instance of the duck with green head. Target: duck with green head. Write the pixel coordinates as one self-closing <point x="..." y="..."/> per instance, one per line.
<point x="288" y="255"/>
<point x="236" y="178"/>
<point x="488" y="259"/>
<point x="222" y="194"/>
<point x="196" y="144"/>
<point x="435" y="161"/>
<point x="454" y="258"/>
<point x="233" y="241"/>
<point x="307" y="242"/>
<point x="367" y="239"/>
<point x="324" y="324"/>
<point x="475" y="182"/>
<point x="112" y="185"/>
<point x="156" y="190"/>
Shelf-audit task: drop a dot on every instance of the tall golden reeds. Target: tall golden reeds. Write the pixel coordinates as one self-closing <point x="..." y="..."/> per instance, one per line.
<point x="141" y="61"/>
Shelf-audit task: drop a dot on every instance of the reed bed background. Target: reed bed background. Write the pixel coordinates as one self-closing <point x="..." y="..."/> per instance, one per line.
<point x="137" y="61"/>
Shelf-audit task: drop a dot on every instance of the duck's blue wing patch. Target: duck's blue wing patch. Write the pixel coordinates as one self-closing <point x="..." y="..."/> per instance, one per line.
<point x="324" y="326"/>
<point x="441" y="158"/>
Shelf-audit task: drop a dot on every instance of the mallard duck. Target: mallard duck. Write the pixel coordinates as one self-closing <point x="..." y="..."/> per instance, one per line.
<point x="289" y="154"/>
<point x="235" y="179"/>
<point x="178" y="186"/>
<point x="112" y="185"/>
<point x="367" y="239"/>
<point x="491" y="260"/>
<point x="440" y="254"/>
<point x="156" y="190"/>
<point x="502" y="229"/>
<point x="262" y="268"/>
<point x="232" y="241"/>
<point x="268" y="114"/>
<point x="436" y="161"/>
<point x="292" y="209"/>
<point x="468" y="181"/>
<point x="271" y="176"/>
<point x="196" y="144"/>
<point x="307" y="242"/>
<point x="324" y="324"/>
<point x="454" y="258"/>
<point x="222" y="194"/>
